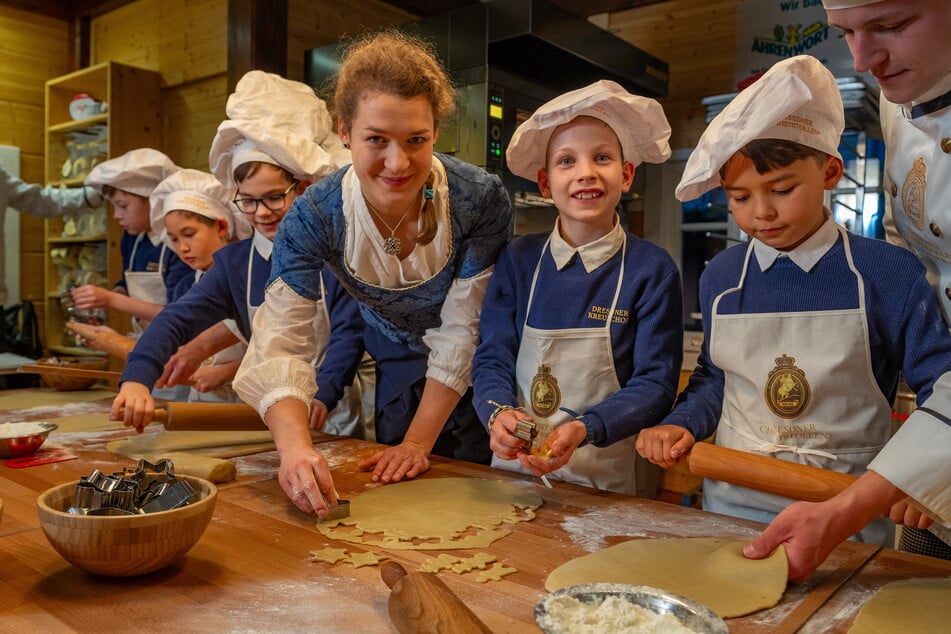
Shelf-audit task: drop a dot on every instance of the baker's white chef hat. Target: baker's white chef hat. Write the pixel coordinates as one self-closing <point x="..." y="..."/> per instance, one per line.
<point x="638" y="122"/>
<point x="795" y="100"/>
<point x="198" y="192"/>
<point x="846" y="4"/>
<point x="277" y="121"/>
<point x="137" y="172"/>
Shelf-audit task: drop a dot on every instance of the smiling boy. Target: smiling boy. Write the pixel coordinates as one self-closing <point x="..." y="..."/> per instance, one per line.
<point x="806" y="327"/>
<point x="581" y="329"/>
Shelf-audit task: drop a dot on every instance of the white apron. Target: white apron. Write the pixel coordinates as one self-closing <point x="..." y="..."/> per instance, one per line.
<point x="149" y="286"/>
<point x="574" y="368"/>
<point x="225" y="393"/>
<point x="346" y="419"/>
<point x="799" y="386"/>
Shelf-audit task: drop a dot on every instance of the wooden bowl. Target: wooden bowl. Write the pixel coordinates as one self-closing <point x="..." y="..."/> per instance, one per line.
<point x="72" y="383"/>
<point x="125" y="545"/>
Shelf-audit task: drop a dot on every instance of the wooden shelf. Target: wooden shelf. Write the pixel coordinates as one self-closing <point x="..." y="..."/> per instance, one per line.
<point x="80" y="124"/>
<point x="53" y="240"/>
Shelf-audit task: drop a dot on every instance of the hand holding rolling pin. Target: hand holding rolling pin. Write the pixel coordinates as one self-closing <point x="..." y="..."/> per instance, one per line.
<point x="664" y="445"/>
<point x="133" y="405"/>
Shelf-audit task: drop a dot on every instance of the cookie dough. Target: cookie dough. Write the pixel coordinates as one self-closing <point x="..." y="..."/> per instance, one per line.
<point x="442" y="562"/>
<point x="220" y="444"/>
<point x="215" y="469"/>
<point x="910" y="605"/>
<point x="709" y="570"/>
<point x="329" y="555"/>
<point x="495" y="573"/>
<point x="368" y="558"/>
<point x="433" y="514"/>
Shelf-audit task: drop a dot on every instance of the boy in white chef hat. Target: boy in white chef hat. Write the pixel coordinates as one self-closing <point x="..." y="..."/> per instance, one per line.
<point x="581" y="329"/>
<point x="150" y="269"/>
<point x="806" y="327"/>
<point x="277" y="140"/>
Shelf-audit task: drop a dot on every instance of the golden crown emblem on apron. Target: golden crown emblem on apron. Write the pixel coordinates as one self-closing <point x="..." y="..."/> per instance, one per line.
<point x="913" y="192"/>
<point x="787" y="391"/>
<point x="546" y="395"/>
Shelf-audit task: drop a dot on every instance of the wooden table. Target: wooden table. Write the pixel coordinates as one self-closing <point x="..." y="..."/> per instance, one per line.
<point x="250" y="570"/>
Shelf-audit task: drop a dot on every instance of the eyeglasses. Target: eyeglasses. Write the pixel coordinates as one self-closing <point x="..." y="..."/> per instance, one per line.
<point x="273" y="202"/>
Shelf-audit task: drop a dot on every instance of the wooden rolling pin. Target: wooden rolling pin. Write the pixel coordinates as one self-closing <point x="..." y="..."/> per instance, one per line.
<point x="762" y="473"/>
<point x="178" y="416"/>
<point x="421" y="603"/>
<point x="106" y="340"/>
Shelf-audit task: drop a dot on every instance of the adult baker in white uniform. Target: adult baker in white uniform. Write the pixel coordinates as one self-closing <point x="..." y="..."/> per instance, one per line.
<point x="904" y="45"/>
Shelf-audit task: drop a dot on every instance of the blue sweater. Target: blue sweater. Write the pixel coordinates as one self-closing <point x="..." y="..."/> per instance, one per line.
<point x="222" y="294"/>
<point x="147" y="259"/>
<point x="906" y="331"/>
<point x="648" y="345"/>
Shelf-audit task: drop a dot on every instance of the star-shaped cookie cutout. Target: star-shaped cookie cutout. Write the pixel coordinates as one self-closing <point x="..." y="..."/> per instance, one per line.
<point x="442" y="562"/>
<point x="479" y="560"/>
<point x="328" y="554"/>
<point x="368" y="558"/>
<point x="495" y="573"/>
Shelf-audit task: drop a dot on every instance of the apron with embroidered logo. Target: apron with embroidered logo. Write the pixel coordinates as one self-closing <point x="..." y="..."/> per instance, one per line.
<point x="798" y="386"/>
<point x="574" y="368"/>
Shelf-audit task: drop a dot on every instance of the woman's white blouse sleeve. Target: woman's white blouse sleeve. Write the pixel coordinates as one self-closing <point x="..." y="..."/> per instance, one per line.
<point x="452" y="345"/>
<point x="283" y="343"/>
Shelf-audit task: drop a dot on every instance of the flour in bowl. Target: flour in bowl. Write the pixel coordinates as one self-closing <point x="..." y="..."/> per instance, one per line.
<point x="568" y="615"/>
<point x="19" y="430"/>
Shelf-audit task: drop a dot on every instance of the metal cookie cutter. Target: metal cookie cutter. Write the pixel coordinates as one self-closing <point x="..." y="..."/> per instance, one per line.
<point x="338" y="511"/>
<point x="527" y="430"/>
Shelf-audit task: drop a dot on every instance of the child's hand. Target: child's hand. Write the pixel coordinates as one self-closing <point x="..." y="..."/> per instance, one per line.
<point x="318" y="415"/>
<point x="904" y="513"/>
<point x="211" y="377"/>
<point x="502" y="440"/>
<point x="664" y="445"/>
<point x="561" y="444"/>
<point x="88" y="296"/>
<point x="133" y="405"/>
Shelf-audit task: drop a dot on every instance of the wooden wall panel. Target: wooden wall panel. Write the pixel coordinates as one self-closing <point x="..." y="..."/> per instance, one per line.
<point x="697" y="40"/>
<point x="192" y="113"/>
<point x="194" y="43"/>
<point x="131" y="34"/>
<point x="315" y="23"/>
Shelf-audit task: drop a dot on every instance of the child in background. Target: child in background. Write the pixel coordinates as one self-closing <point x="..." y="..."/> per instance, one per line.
<point x="806" y="327"/>
<point x="277" y="140"/>
<point x="190" y="210"/>
<point x="581" y="329"/>
<point x="150" y="269"/>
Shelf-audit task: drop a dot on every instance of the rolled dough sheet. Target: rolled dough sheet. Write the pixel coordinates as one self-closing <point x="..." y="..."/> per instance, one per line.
<point x="219" y="444"/>
<point x="910" y="605"/>
<point x="709" y="570"/>
<point x="434" y="514"/>
<point x="86" y="422"/>
<point x="45" y="397"/>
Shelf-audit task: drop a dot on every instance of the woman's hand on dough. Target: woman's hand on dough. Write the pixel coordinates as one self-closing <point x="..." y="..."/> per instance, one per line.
<point x="664" y="445"/>
<point x="133" y="405"/>
<point x="305" y="477"/>
<point x="318" y="415"/>
<point x="405" y="460"/>
<point x="502" y="440"/>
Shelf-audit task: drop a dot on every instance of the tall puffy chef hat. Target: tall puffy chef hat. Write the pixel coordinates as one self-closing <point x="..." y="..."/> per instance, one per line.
<point x="198" y="192"/>
<point x="277" y="121"/>
<point x="638" y="122"/>
<point x="846" y="4"/>
<point x="796" y="100"/>
<point x="137" y="172"/>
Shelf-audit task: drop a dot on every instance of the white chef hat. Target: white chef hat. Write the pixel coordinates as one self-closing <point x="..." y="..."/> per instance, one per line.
<point x="198" y="192"/>
<point x="795" y="100"/>
<point x="137" y="172"/>
<point x="277" y="121"/>
<point x="638" y="122"/>
<point x="846" y="4"/>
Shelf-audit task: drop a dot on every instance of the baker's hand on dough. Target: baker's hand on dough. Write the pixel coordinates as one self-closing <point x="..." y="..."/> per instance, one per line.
<point x="664" y="445"/>
<point x="405" y="460"/>
<point x="133" y="405"/>
<point x="305" y="477"/>
<point x="318" y="414"/>
<point x="502" y="440"/>
<point x="807" y="531"/>
<point x="904" y="513"/>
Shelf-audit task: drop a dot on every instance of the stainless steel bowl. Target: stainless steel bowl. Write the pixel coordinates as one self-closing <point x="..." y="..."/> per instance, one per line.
<point x="23" y="445"/>
<point x="691" y="614"/>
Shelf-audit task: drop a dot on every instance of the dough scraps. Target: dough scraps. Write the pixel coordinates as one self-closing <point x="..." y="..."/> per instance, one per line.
<point x="495" y="573"/>
<point x="712" y="571"/>
<point x="433" y="514"/>
<point x="910" y="605"/>
<point x="220" y="444"/>
<point x="368" y="558"/>
<point x="479" y="560"/>
<point x="442" y="562"/>
<point x="328" y="554"/>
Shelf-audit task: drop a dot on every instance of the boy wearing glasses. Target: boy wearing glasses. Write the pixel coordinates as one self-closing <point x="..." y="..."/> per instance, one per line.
<point x="268" y="156"/>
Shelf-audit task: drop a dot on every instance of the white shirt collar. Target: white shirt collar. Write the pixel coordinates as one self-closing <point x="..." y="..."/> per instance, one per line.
<point x="593" y="254"/>
<point x="807" y="254"/>
<point x="154" y="238"/>
<point x="937" y="90"/>
<point x="262" y="245"/>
